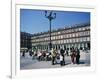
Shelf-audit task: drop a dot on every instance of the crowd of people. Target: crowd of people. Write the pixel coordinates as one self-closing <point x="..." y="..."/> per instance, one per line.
<point x="54" y="55"/>
<point x="74" y="54"/>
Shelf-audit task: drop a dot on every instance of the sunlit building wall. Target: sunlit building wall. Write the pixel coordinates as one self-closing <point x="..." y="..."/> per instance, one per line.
<point x="68" y="37"/>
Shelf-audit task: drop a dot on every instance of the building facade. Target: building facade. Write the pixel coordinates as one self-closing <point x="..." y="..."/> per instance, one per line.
<point x="25" y="41"/>
<point x="75" y="36"/>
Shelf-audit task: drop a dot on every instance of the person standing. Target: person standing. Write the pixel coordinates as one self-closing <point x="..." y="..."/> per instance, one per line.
<point x="67" y="52"/>
<point x="73" y="56"/>
<point x="61" y="60"/>
<point x="39" y="55"/>
<point x="30" y="52"/>
<point x="53" y="53"/>
<point x="23" y="54"/>
<point x="62" y="55"/>
<point x="77" y="56"/>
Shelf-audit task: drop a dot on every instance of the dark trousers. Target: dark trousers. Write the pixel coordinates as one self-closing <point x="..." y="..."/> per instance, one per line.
<point x="77" y="59"/>
<point x="63" y="61"/>
<point x="53" y="60"/>
<point x="23" y="54"/>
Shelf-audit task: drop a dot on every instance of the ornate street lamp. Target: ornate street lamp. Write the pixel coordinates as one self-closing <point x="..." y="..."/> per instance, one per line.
<point x="50" y="16"/>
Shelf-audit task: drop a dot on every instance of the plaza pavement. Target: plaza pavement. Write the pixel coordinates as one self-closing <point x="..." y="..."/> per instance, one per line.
<point x="27" y="62"/>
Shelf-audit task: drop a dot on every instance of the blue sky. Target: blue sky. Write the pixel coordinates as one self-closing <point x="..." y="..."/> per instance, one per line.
<point x="34" y="21"/>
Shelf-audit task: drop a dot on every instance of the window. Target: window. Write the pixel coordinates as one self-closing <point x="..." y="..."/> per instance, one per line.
<point x="59" y="41"/>
<point x="61" y="36"/>
<point x="73" y="34"/>
<point x="83" y="28"/>
<point x="80" y="39"/>
<point x="66" y="31"/>
<point x="53" y="42"/>
<point x="55" y="37"/>
<point x="88" y="38"/>
<point x="88" y="32"/>
<point x="76" y="34"/>
<point x="51" y="38"/>
<point x="64" y="41"/>
<point x="84" y="38"/>
<point x="76" y="39"/>
<point x="80" y="29"/>
<point x="80" y="33"/>
<point x="70" y="35"/>
<point x="70" y="40"/>
<point x="76" y="29"/>
<point x="58" y="32"/>
<point x="66" y="36"/>
<point x="63" y="31"/>
<point x="72" y="30"/>
<point x="87" y="28"/>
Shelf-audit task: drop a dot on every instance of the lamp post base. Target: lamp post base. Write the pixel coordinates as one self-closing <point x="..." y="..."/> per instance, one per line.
<point x="50" y="46"/>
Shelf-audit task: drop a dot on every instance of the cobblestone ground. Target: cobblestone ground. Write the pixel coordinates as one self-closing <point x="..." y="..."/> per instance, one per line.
<point x="27" y="62"/>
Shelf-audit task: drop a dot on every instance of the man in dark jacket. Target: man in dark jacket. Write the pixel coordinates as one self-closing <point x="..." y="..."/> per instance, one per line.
<point x="77" y="56"/>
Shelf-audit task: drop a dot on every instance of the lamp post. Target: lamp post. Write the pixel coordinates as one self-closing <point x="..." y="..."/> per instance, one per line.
<point x="50" y="16"/>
